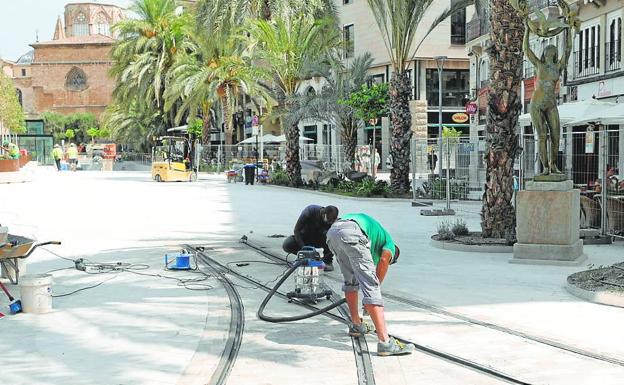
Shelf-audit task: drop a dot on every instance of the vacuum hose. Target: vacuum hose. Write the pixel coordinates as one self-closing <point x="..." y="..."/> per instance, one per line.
<point x="266" y="300"/>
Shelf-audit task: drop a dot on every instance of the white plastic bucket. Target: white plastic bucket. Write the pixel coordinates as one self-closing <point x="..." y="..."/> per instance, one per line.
<point x="35" y="290"/>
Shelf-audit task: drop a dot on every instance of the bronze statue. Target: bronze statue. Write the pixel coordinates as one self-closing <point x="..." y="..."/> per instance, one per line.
<point x="544" y="112"/>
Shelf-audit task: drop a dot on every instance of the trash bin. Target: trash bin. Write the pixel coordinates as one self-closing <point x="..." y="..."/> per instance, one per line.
<point x="250" y="170"/>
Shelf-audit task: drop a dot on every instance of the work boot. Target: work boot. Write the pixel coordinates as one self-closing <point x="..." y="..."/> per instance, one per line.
<point x="328" y="267"/>
<point x="393" y="348"/>
<point x="361" y="329"/>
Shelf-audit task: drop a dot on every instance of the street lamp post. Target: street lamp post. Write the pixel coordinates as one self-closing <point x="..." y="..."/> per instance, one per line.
<point x="440" y="63"/>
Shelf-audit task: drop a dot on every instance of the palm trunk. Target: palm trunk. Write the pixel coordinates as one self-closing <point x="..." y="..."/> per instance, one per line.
<point x="349" y="139"/>
<point x="498" y="216"/>
<point x="400" y="91"/>
<point x="227" y="116"/>
<point x="293" y="166"/>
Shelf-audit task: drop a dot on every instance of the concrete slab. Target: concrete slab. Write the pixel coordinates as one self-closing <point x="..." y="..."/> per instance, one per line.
<point x="138" y="329"/>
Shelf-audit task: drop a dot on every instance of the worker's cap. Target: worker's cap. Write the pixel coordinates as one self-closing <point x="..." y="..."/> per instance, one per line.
<point x="73" y="145"/>
<point x="56" y="146"/>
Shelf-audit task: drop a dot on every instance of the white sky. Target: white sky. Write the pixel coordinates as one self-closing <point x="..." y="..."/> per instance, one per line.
<point x="20" y="19"/>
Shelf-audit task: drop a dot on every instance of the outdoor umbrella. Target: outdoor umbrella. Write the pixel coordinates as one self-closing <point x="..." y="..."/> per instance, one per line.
<point x="573" y="111"/>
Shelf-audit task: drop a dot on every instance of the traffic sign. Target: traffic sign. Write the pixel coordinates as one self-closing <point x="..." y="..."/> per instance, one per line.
<point x="471" y="108"/>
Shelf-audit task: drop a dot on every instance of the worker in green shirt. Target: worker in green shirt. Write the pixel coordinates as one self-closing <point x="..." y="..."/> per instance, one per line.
<point x="12" y="149"/>
<point x="364" y="250"/>
<point x="57" y="154"/>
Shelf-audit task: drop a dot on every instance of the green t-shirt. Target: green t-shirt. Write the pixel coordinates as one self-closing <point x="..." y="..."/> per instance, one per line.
<point x="379" y="238"/>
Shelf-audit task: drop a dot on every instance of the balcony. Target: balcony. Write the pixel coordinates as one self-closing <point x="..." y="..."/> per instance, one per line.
<point x="586" y="62"/>
<point x="477" y="27"/>
<point x="613" y="56"/>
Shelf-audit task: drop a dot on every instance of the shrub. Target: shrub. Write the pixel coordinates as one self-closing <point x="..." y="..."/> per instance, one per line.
<point x="459" y="227"/>
<point x="444" y="231"/>
<point x="280" y="178"/>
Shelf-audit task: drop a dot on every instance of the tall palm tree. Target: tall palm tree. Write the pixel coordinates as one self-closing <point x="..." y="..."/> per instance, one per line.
<point x="145" y="51"/>
<point x="398" y="21"/>
<point x="328" y="104"/>
<point x="133" y="124"/>
<point x="287" y="48"/>
<point x="498" y="216"/>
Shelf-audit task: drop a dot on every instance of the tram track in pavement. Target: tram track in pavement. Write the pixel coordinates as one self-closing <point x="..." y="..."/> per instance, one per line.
<point x="364" y="365"/>
<point x="456" y="360"/>
<point x="461" y="317"/>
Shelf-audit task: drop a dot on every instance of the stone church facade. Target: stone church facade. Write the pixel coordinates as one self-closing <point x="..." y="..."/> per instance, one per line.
<point x="69" y="73"/>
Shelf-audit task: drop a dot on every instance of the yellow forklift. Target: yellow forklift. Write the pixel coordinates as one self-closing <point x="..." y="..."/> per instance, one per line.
<point x="174" y="160"/>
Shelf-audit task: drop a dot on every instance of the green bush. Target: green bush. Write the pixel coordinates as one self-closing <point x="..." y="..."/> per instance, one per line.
<point x="208" y="167"/>
<point x="459" y="227"/>
<point x="280" y="178"/>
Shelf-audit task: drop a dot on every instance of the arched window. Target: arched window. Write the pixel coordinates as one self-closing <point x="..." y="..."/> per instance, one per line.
<point x="19" y="97"/>
<point x="80" y="27"/>
<point x="101" y="25"/>
<point x="311" y="91"/>
<point x="76" y="80"/>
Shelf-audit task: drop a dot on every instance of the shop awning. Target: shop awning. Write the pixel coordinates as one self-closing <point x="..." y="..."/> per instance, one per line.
<point x="573" y="111"/>
<point x="610" y="115"/>
<point x="267" y="138"/>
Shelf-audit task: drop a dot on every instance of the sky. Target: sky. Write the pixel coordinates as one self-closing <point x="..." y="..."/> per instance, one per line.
<point x="21" y="19"/>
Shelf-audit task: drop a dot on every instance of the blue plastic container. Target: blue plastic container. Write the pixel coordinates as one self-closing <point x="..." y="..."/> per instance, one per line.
<point x="181" y="262"/>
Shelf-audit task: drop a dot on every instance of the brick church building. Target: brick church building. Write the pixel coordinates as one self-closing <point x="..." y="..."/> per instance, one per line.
<point x="69" y="73"/>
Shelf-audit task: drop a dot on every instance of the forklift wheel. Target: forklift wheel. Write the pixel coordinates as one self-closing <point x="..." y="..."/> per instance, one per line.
<point x="193" y="177"/>
<point x="157" y="178"/>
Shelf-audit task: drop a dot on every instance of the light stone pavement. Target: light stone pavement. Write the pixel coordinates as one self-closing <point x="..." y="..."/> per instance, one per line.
<point x="137" y="329"/>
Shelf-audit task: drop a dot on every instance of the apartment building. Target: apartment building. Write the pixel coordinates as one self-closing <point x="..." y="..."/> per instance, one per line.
<point x="361" y="35"/>
<point x="594" y="71"/>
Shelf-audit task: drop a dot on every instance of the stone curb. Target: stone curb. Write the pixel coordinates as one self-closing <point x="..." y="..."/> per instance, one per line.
<point x="454" y="246"/>
<point x="600" y="297"/>
<point x="404" y="200"/>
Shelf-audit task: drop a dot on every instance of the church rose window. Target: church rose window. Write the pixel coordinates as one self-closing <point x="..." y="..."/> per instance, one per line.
<point x="80" y="26"/>
<point x="76" y="80"/>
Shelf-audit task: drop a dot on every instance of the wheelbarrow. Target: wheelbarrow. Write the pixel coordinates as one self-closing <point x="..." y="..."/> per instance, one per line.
<point x="17" y="248"/>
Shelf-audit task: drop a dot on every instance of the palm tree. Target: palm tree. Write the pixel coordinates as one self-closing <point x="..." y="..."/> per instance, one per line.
<point x="288" y="47"/>
<point x="201" y="77"/>
<point x="329" y="105"/>
<point x="398" y="21"/>
<point x="133" y="124"/>
<point x="146" y="50"/>
<point x="498" y="216"/>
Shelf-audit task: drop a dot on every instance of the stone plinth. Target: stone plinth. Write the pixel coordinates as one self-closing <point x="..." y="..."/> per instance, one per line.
<point x="547" y="224"/>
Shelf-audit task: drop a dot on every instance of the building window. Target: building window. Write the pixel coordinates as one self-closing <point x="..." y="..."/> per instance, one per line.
<point x="23" y="71"/>
<point x="80" y="26"/>
<point x="310" y="91"/>
<point x="20" y="97"/>
<point x="76" y="80"/>
<point x="458" y="27"/>
<point x="347" y="38"/>
<point x="345" y="2"/>
<point x="613" y="50"/>
<point x="587" y="55"/>
<point x="455" y="87"/>
<point x="101" y="25"/>
<point x="378" y="79"/>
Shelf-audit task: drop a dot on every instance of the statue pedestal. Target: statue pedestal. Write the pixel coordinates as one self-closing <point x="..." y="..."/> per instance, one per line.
<point x="547" y="225"/>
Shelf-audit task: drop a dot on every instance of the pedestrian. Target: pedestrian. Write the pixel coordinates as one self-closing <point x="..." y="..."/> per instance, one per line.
<point x="72" y="156"/>
<point x="364" y="250"/>
<point x="311" y="230"/>
<point x="57" y="154"/>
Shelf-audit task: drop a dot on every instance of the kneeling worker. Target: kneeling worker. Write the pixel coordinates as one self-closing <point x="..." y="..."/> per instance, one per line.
<point x="365" y="268"/>
<point x="311" y="230"/>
